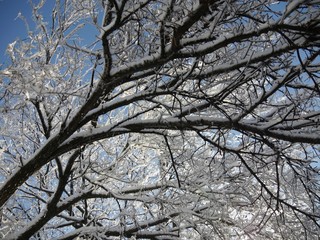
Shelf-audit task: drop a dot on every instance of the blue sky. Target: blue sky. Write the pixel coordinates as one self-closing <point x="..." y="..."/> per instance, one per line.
<point x="12" y="27"/>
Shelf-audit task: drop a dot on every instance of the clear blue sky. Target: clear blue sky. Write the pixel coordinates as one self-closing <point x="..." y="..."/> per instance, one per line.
<point x="11" y="26"/>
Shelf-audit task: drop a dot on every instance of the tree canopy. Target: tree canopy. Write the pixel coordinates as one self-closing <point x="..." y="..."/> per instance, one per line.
<point x="171" y="119"/>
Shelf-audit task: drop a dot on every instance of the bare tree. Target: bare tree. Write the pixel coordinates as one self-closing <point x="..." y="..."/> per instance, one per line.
<point x="163" y="120"/>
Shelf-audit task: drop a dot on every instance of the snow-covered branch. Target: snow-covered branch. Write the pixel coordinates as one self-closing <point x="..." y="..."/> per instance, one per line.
<point x="162" y="120"/>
